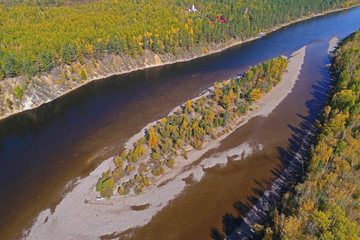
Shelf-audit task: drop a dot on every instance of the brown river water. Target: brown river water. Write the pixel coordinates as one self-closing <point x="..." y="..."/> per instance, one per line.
<point x="43" y="150"/>
<point x="240" y="183"/>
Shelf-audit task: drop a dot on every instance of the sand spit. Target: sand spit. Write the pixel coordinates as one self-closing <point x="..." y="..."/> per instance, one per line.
<point x="333" y="44"/>
<point x="238" y="153"/>
<point x="261" y="209"/>
<point x="75" y="219"/>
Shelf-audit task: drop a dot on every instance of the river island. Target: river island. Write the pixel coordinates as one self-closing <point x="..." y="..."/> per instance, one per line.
<point x="79" y="210"/>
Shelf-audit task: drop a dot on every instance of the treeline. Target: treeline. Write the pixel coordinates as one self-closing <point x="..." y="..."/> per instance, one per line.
<point x="326" y="205"/>
<point x="189" y="127"/>
<point x="36" y="38"/>
<point x="42" y="2"/>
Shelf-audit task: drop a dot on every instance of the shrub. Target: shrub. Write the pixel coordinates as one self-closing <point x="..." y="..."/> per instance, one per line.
<point x="170" y="163"/>
<point x="129" y="169"/>
<point x="105" y="185"/>
<point x="121" y="191"/>
<point x="138" y="178"/>
<point x="184" y="155"/>
<point x="19" y="91"/>
<point x="197" y="144"/>
<point x="143" y="167"/>
<point x="179" y="144"/>
<point x="158" y="171"/>
<point x="138" y="190"/>
<point x="118" y="173"/>
<point x="83" y="74"/>
<point x="9" y="103"/>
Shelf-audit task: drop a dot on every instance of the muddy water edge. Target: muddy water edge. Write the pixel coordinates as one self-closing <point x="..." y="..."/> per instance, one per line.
<point x="43" y="150"/>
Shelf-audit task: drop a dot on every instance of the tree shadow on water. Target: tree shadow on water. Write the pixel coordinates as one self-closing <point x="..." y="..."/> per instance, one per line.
<point x="290" y="168"/>
<point x="216" y="234"/>
<point x="231" y="221"/>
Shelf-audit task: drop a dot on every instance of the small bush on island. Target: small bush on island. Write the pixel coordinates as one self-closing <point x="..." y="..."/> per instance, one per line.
<point x="184" y="154"/>
<point x="118" y="173"/>
<point x="196" y="143"/>
<point x="170" y="163"/>
<point x="138" y="190"/>
<point x="129" y="169"/>
<point x="105" y="185"/>
<point x="83" y="74"/>
<point x="158" y="171"/>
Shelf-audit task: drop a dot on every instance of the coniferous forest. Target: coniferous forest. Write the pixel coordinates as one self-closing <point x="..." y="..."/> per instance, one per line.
<point x="325" y="204"/>
<point x="36" y="35"/>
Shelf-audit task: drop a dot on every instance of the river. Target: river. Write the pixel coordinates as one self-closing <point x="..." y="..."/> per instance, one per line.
<point x="43" y="150"/>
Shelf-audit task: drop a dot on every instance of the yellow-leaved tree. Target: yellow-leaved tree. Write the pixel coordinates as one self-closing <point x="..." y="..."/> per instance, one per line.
<point x="152" y="139"/>
<point x="255" y="94"/>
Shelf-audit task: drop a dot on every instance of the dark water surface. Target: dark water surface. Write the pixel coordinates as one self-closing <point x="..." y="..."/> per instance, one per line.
<point x="43" y="149"/>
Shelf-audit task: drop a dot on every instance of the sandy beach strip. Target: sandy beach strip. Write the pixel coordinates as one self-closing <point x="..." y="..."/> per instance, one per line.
<point x="75" y="219"/>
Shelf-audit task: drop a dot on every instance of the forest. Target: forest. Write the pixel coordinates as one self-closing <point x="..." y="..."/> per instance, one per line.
<point x="190" y="127"/>
<point x="37" y="35"/>
<point x="42" y="2"/>
<point x="325" y="203"/>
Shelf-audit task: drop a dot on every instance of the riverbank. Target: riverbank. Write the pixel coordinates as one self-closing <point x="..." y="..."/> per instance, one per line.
<point x="79" y="216"/>
<point x="46" y="88"/>
<point x="259" y="213"/>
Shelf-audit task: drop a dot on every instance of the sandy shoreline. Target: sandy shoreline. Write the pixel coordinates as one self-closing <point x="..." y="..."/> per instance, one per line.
<point x="262" y="207"/>
<point x="235" y="42"/>
<point x="74" y="219"/>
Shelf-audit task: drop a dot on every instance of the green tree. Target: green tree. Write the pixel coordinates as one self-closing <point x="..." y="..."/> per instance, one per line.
<point x="19" y="91"/>
<point x="28" y="67"/>
<point x="45" y="62"/>
<point x="10" y="65"/>
<point x="68" y="54"/>
<point x="105" y="185"/>
<point x="83" y="74"/>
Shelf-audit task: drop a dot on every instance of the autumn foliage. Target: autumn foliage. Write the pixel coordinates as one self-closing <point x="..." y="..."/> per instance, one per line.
<point x="152" y="139"/>
<point x="196" y="123"/>
<point x="325" y="204"/>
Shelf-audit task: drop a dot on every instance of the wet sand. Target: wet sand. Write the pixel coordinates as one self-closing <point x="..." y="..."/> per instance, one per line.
<point x="75" y="219"/>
